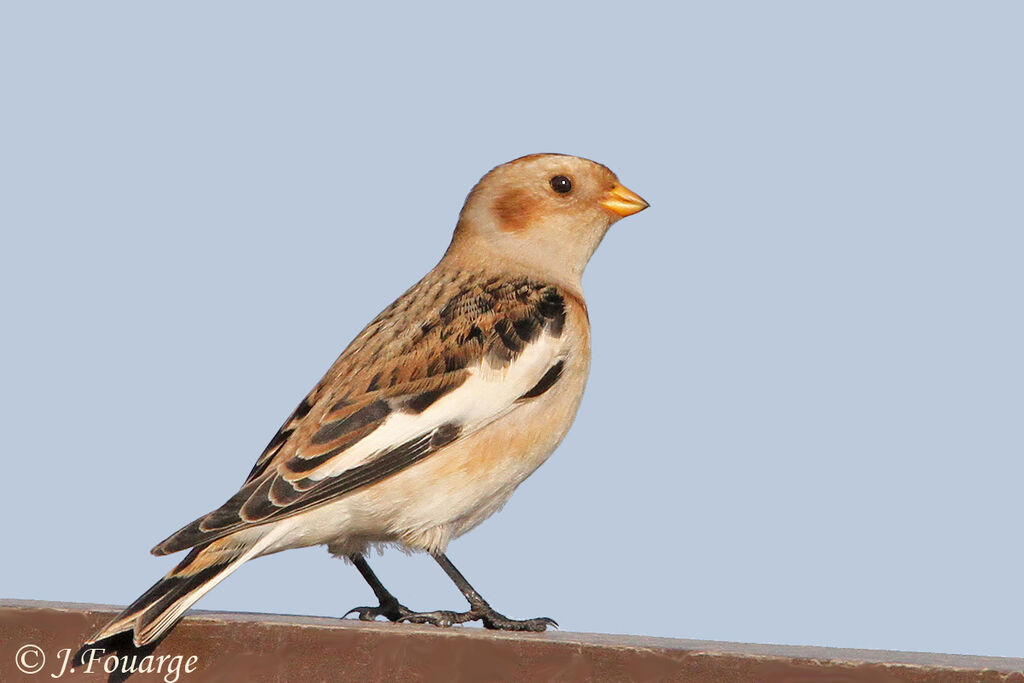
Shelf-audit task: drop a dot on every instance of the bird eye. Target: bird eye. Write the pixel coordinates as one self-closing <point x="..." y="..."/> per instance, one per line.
<point x="561" y="184"/>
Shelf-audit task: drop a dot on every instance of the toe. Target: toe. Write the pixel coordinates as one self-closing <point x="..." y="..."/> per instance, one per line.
<point x="500" y="622"/>
<point x="440" y="618"/>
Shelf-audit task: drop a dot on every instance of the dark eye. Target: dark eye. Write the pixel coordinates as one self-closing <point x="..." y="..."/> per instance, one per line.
<point x="561" y="184"/>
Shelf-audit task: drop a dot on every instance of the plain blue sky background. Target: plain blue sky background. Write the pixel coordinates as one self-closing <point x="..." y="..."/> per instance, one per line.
<point x="804" y="422"/>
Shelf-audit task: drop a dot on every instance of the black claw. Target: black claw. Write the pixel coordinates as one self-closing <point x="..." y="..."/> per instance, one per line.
<point x="365" y="613"/>
<point x="392" y="611"/>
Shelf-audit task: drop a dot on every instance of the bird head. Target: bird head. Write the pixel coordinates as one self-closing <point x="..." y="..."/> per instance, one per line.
<point x="544" y="214"/>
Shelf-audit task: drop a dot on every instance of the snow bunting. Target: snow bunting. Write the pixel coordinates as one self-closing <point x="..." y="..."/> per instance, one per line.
<point x="434" y="414"/>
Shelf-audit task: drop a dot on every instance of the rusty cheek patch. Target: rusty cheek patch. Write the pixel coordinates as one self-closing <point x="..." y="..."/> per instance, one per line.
<point x="513" y="210"/>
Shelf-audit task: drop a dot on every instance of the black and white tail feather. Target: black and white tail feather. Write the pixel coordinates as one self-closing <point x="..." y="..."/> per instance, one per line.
<point x="158" y="609"/>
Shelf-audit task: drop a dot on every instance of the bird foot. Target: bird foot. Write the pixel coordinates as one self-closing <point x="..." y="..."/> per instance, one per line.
<point x="389" y="609"/>
<point x="490" y="618"/>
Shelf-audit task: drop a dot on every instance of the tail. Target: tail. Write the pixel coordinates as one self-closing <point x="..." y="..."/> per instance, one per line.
<point x="163" y="605"/>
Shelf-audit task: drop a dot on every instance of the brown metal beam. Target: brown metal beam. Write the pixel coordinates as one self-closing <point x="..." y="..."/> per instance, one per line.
<point x="260" y="647"/>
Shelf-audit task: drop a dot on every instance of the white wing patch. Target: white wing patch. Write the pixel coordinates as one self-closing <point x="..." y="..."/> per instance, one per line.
<point x="487" y="394"/>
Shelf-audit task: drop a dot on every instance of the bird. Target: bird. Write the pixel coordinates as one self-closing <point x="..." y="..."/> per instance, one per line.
<point x="433" y="415"/>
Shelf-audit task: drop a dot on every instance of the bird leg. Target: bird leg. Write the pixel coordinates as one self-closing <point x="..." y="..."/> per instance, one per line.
<point x="479" y="609"/>
<point x="389" y="606"/>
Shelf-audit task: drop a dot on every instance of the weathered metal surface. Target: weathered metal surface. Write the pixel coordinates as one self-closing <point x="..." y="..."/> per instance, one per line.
<point x="213" y="646"/>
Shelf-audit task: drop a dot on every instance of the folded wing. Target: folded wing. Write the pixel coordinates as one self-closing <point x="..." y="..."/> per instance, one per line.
<point x="446" y="359"/>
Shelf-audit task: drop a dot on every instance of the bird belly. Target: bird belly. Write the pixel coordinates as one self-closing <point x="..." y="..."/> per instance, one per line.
<point x="460" y="486"/>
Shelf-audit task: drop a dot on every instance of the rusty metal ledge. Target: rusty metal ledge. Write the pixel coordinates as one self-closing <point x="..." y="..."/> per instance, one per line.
<point x="217" y="646"/>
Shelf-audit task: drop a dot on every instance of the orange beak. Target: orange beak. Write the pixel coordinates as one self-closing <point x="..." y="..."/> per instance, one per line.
<point x="623" y="201"/>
